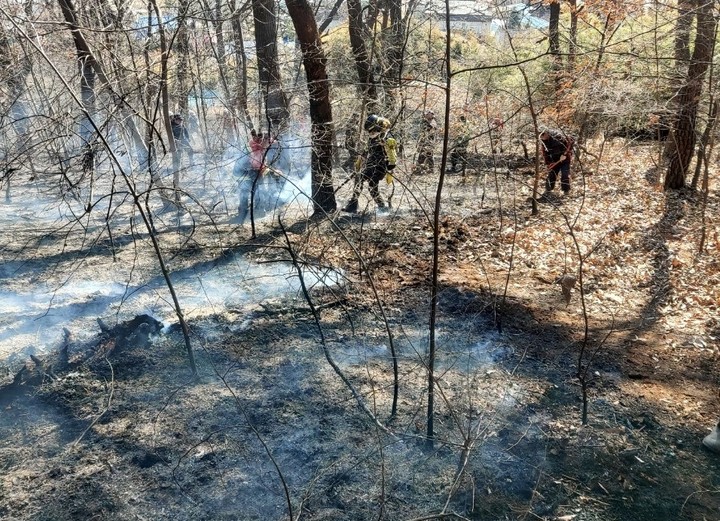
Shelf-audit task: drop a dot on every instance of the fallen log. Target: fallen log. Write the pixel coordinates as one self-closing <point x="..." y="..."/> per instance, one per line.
<point x="69" y="355"/>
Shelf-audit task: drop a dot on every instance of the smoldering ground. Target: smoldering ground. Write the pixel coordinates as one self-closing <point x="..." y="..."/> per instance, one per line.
<point x="269" y="427"/>
<point x="140" y="438"/>
<point x="58" y="272"/>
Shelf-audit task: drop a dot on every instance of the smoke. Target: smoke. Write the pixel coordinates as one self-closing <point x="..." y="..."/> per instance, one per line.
<point x="37" y="303"/>
<point x="285" y="178"/>
<point x="31" y="321"/>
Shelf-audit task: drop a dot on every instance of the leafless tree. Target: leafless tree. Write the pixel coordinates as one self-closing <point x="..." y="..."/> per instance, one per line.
<point x="681" y="145"/>
<point x="323" y="194"/>
<point x="276" y="104"/>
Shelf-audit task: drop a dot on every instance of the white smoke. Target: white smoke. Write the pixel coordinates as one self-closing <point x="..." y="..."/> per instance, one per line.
<point x="32" y="321"/>
<point x="287" y="177"/>
<point x="35" y="306"/>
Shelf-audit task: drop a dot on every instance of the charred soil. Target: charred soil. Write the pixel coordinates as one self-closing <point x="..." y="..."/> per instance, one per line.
<point x="290" y="417"/>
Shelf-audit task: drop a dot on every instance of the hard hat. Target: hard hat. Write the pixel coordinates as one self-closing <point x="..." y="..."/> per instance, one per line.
<point x="375" y="123"/>
<point x="371" y="122"/>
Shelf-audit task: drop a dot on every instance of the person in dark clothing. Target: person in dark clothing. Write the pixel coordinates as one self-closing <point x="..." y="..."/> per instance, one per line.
<point x="426" y="144"/>
<point x="557" y="149"/>
<point x="380" y="160"/>
<point x="459" y="150"/>
<point x="181" y="136"/>
<point x="351" y="143"/>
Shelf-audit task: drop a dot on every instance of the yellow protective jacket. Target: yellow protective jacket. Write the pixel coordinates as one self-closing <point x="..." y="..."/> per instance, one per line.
<point x="391" y="149"/>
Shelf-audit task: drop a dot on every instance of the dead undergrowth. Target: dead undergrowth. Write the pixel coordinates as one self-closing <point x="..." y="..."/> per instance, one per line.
<point x="269" y="431"/>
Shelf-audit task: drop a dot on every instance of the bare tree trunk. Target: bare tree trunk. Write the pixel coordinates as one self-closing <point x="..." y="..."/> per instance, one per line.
<point x="330" y="16"/>
<point x="240" y="100"/>
<point x="435" y="285"/>
<point x="82" y="48"/>
<point x="276" y="104"/>
<point x="572" y="54"/>
<point x="393" y="49"/>
<point x="682" y="142"/>
<point x="323" y="193"/>
<point x="182" y="51"/>
<point x="165" y="96"/>
<point x="86" y="130"/>
<point x="554" y="40"/>
<point x="706" y="143"/>
<point x="17" y="73"/>
<point x="703" y="206"/>
<point x="87" y="88"/>
<point x="181" y="48"/>
<point x="368" y="91"/>
<point x="708" y="138"/>
<point x="150" y="108"/>
<point x="682" y="35"/>
<point x="217" y="23"/>
<point x="554" y="29"/>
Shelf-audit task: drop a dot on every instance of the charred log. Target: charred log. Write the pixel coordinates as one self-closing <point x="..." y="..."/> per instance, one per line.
<point x="68" y="357"/>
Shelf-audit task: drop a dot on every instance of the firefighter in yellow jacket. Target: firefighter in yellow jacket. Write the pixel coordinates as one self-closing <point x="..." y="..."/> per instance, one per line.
<point x="380" y="160"/>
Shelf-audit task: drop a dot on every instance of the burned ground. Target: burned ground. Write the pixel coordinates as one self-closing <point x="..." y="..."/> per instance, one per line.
<point x="269" y="430"/>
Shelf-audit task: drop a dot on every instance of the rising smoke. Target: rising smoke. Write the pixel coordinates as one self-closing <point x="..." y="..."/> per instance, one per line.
<point x="35" y="306"/>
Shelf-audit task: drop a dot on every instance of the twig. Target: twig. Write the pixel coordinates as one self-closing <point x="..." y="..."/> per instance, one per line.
<point x="439" y="516"/>
<point x="323" y="342"/>
<point x="695" y="494"/>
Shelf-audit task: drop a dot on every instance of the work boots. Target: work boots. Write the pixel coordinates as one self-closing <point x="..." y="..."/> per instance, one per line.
<point x="351" y="207"/>
<point x="712" y="440"/>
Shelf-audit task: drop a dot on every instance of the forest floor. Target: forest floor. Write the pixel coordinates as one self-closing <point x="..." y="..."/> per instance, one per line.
<point x="290" y="414"/>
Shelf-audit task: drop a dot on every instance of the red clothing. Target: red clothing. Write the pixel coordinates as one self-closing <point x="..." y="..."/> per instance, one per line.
<point x="257" y="153"/>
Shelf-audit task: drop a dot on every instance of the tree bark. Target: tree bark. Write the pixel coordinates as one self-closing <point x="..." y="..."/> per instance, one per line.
<point x="554" y="29"/>
<point x="276" y="104"/>
<point x="182" y="51"/>
<point x="217" y="23"/>
<point x="86" y="130"/>
<point x="83" y="50"/>
<point x="572" y="53"/>
<point x="240" y="101"/>
<point x="706" y="143"/>
<point x="554" y="41"/>
<point x="368" y="91"/>
<point x="323" y="193"/>
<point x="393" y="44"/>
<point x="682" y="140"/>
<point x="87" y="86"/>
<point x="165" y="97"/>
<point x="682" y="34"/>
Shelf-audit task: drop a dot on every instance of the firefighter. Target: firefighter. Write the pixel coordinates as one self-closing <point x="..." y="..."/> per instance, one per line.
<point x="181" y="136"/>
<point x="426" y="144"/>
<point x="557" y="150"/>
<point x="380" y="160"/>
<point x="458" y="156"/>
